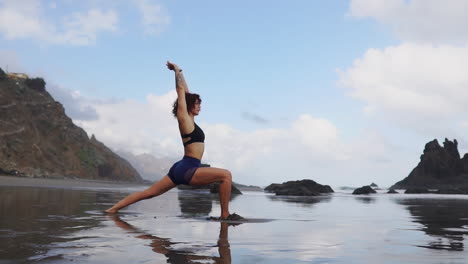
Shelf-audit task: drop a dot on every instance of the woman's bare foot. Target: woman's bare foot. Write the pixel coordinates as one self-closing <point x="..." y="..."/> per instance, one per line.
<point x="234" y="217"/>
<point x="224" y="216"/>
<point x="111" y="211"/>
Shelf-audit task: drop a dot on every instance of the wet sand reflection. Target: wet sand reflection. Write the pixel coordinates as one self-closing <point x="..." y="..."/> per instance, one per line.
<point x="445" y="221"/>
<point x="306" y="201"/>
<point x="165" y="245"/>
<point x="34" y="218"/>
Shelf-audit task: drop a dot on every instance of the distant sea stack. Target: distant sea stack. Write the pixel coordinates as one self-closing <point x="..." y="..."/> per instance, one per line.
<point x="38" y="139"/>
<point x="367" y="189"/>
<point x="439" y="168"/>
<point x="299" y="188"/>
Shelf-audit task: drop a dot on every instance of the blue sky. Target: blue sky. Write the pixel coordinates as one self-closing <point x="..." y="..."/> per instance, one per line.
<point x="341" y="92"/>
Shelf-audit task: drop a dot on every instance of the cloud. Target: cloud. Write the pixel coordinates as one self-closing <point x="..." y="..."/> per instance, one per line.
<point x="76" y="107"/>
<point x="416" y="85"/>
<point x="38" y="20"/>
<point x="139" y="127"/>
<point x="21" y="19"/>
<point x="28" y="20"/>
<point x="254" y="118"/>
<point x="309" y="147"/>
<point x="10" y="61"/>
<point x="82" y="29"/>
<point x="154" y="16"/>
<point x="419" y="21"/>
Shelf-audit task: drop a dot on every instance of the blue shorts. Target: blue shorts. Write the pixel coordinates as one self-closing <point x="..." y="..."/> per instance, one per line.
<point x="182" y="171"/>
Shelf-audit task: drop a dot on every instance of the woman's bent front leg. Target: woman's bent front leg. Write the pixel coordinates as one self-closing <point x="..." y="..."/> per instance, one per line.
<point x="204" y="176"/>
<point x="160" y="187"/>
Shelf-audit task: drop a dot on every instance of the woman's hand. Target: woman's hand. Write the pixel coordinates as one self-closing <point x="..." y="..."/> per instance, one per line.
<point x="172" y="66"/>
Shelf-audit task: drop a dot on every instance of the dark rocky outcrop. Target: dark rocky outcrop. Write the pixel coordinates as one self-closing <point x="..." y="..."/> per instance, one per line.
<point x="214" y="188"/>
<point x="439" y="168"/>
<point x="299" y="188"/>
<point x="459" y="190"/>
<point x="38" y="139"/>
<point x="364" y="190"/>
<point x="373" y="185"/>
<point x="392" y="191"/>
<point x="2" y="74"/>
<point x="251" y="188"/>
<point x="272" y="188"/>
<point x="417" y="191"/>
<point x="37" y="84"/>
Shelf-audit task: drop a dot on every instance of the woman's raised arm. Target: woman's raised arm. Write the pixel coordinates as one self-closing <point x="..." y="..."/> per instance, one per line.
<point x="179" y="77"/>
<point x="182" y="89"/>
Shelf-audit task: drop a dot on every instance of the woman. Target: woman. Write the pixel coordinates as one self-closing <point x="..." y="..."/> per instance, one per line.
<point x="186" y="171"/>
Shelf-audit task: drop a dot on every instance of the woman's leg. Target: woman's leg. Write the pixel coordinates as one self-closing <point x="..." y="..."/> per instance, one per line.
<point x="160" y="187"/>
<point x="206" y="175"/>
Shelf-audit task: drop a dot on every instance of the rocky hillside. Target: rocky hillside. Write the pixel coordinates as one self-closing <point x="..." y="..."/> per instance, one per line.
<point x="439" y="168"/>
<point x="39" y="140"/>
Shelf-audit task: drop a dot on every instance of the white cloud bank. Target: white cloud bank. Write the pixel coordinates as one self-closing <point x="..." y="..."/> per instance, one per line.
<point x="32" y="19"/>
<point x="412" y="83"/>
<point x="28" y="20"/>
<point x="421" y="83"/>
<point x="419" y="21"/>
<point x="154" y="16"/>
<point x="309" y="148"/>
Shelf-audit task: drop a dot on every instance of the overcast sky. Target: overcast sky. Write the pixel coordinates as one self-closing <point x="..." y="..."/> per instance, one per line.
<point x="341" y="92"/>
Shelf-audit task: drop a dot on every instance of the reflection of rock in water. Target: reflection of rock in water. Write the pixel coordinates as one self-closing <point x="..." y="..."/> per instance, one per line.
<point x="304" y="200"/>
<point x="445" y="220"/>
<point x="32" y="219"/>
<point x="194" y="203"/>
<point x="365" y="199"/>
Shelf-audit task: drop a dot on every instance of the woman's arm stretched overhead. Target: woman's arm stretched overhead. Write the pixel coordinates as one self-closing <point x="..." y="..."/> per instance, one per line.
<point x="179" y="77"/>
<point x="181" y="88"/>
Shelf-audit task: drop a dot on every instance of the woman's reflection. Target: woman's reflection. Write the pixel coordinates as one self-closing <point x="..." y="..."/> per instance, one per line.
<point x="164" y="245"/>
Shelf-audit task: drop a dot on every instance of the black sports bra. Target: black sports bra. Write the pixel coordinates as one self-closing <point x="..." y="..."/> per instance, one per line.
<point x="197" y="135"/>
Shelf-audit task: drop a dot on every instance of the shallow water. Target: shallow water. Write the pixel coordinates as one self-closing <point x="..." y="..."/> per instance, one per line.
<point x="55" y="225"/>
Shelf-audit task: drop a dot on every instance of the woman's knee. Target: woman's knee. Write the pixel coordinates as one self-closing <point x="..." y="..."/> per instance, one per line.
<point x="227" y="176"/>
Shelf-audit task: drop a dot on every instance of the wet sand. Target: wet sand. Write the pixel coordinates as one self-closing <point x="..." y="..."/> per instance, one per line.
<point x="58" y="225"/>
<point x="62" y="183"/>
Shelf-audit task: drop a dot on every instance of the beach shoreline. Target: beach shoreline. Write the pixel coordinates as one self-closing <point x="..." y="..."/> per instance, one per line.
<point x="63" y="183"/>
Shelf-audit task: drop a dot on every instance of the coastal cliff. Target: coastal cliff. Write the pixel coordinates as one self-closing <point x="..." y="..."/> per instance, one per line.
<point x="440" y="167"/>
<point x="37" y="138"/>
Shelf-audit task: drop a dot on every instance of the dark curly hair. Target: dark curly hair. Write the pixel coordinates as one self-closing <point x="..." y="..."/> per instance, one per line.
<point x="191" y="99"/>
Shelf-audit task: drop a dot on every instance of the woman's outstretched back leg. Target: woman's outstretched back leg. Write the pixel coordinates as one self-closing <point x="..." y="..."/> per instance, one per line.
<point x="158" y="188"/>
<point x="206" y="175"/>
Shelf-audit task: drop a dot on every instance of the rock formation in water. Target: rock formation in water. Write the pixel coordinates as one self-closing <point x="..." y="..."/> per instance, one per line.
<point x="38" y="139"/>
<point x="364" y="190"/>
<point x="214" y="188"/>
<point x="439" y="168"/>
<point x="299" y="188"/>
